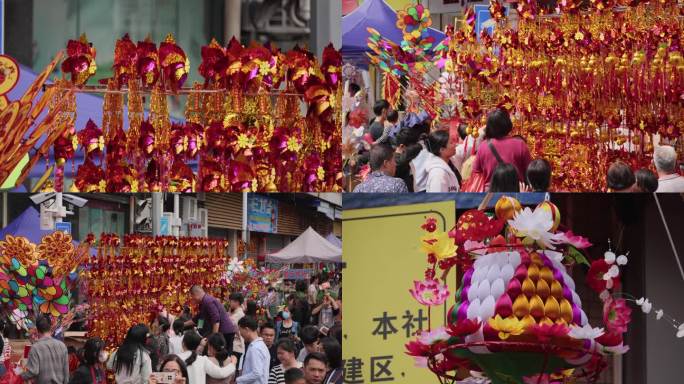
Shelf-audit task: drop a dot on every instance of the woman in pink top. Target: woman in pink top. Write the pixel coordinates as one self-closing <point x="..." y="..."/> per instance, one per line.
<point x="511" y="150"/>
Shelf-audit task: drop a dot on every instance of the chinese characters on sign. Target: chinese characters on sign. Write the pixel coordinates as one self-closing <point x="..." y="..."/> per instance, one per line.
<point x="379" y="368"/>
<point x="296" y="274"/>
<point x="262" y="214"/>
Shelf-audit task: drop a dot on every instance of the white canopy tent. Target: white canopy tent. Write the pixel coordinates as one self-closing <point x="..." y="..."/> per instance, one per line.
<point x="334" y="240"/>
<point x="309" y="247"/>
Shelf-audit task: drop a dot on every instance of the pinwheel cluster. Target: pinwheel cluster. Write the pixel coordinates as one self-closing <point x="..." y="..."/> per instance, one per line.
<point x="234" y="139"/>
<point x="38" y="278"/>
<point x="144" y="273"/>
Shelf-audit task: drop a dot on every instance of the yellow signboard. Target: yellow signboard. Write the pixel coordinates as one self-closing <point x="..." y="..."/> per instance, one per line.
<point x="383" y="256"/>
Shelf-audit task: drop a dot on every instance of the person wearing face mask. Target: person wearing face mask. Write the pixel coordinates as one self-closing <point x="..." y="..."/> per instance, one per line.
<point x="287" y="328"/>
<point x="90" y="371"/>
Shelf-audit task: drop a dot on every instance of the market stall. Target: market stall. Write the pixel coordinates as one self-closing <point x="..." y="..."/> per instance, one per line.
<point x="309" y="247"/>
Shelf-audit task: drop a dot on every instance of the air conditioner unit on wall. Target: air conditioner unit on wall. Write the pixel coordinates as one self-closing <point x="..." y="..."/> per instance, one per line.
<point x="190" y="213"/>
<point x="204" y="220"/>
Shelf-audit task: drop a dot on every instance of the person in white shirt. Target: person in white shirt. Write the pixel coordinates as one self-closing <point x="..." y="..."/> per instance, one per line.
<point x="441" y="176"/>
<point x="176" y="341"/>
<point x="310" y="338"/>
<point x="257" y="358"/>
<point x="464" y="148"/>
<point x="199" y="367"/>
<point x="236" y="313"/>
<point x="665" y="159"/>
<point x="131" y="363"/>
<point x="312" y="293"/>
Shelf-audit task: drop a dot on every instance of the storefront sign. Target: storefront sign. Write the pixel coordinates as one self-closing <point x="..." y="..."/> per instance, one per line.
<point x="297" y="274"/>
<point x="63" y="226"/>
<point x="383" y="316"/>
<point x="164" y="228"/>
<point x="262" y="214"/>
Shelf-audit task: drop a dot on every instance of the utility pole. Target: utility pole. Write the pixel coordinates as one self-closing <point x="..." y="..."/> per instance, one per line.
<point x="156" y="213"/>
<point x="326" y="25"/>
<point x="232" y="20"/>
<point x="245" y="229"/>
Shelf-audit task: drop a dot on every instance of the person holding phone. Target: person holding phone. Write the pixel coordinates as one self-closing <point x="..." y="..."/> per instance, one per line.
<point x="326" y="311"/>
<point x="172" y="367"/>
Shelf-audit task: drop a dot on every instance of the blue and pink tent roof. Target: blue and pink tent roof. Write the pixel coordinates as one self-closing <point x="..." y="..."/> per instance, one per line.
<point x="375" y="14"/>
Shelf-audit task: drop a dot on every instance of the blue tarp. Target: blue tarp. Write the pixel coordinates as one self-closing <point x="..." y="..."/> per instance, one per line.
<point x="28" y="225"/>
<point x="463" y="200"/>
<point x="375" y="14"/>
<point x="88" y="105"/>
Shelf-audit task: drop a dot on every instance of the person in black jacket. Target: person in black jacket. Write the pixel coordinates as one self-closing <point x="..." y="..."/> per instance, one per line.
<point x="90" y="371"/>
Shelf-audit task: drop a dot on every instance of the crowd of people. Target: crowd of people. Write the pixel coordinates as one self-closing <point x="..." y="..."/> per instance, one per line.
<point x="293" y="340"/>
<point x="414" y="155"/>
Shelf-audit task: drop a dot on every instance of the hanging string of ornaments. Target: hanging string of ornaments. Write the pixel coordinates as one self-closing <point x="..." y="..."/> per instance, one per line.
<point x="244" y="129"/>
<point x="586" y="83"/>
<point x="517" y="317"/>
<point x="145" y="274"/>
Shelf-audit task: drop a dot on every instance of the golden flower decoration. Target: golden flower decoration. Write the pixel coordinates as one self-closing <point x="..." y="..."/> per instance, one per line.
<point x="264" y="68"/>
<point x="506" y="327"/>
<point x="293" y="144"/>
<point x="244" y="141"/>
<point x="58" y="250"/>
<point x="320" y="172"/>
<point x="19" y="248"/>
<point x="439" y="244"/>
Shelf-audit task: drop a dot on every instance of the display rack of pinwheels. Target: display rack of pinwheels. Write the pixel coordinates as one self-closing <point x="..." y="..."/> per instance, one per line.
<point x="517" y="317"/>
<point x="38" y="278"/>
<point x="263" y="120"/>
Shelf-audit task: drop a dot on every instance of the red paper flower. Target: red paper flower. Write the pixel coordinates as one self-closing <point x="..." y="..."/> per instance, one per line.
<point x="463" y="328"/>
<point x="147" y="62"/>
<point x="214" y="62"/>
<point x="430" y="224"/>
<point x="610" y="339"/>
<point x="331" y="66"/>
<point x="65" y="146"/>
<point x="91" y="139"/>
<point x="616" y="315"/>
<point x="80" y="63"/>
<point x="174" y="63"/>
<point x="476" y="226"/>
<point x="146" y="142"/>
<point x="125" y="58"/>
<point x="545" y="333"/>
<point x="595" y="276"/>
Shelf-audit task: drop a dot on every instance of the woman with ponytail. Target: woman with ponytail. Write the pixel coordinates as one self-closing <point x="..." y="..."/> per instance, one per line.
<point x="200" y="367"/>
<point x="217" y="354"/>
<point x="442" y="175"/>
